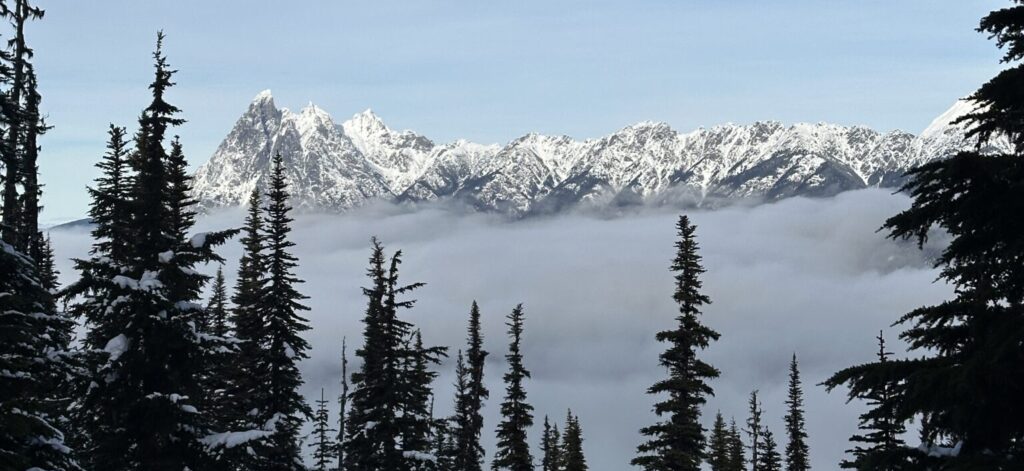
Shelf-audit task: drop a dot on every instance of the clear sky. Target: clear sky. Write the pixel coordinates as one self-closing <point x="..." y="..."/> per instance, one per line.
<point x="491" y="71"/>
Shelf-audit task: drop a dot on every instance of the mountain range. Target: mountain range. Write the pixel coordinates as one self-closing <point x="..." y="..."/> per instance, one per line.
<point x="334" y="167"/>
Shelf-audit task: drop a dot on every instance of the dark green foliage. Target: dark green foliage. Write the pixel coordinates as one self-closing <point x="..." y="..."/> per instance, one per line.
<point x="965" y="386"/>
<point x="342" y="405"/>
<point x="280" y="408"/>
<point x="737" y="461"/>
<point x="572" y="445"/>
<point x="550" y="447"/>
<point x="677" y="442"/>
<point x="470" y="394"/>
<point x="769" y="460"/>
<point x="389" y="424"/>
<point x="325" y="450"/>
<point x="513" y="449"/>
<point x="216" y="319"/>
<point x="719" y="445"/>
<point x="796" y="448"/>
<point x="754" y="431"/>
<point x="883" y="448"/>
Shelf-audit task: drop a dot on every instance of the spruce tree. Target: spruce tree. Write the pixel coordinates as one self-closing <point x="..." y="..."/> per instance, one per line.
<point x="754" y="431"/>
<point x="677" y="442"/>
<point x="796" y="448"/>
<point x="148" y="388"/>
<point x="572" y="445"/>
<point x="342" y="405"/>
<point x="374" y="435"/>
<point x="718" y="447"/>
<point x="281" y="408"/>
<point x="415" y="420"/>
<point x="471" y="452"/>
<point x="769" y="460"/>
<point x="737" y="460"/>
<point x="513" y="449"/>
<point x="216" y="308"/>
<point x="462" y="421"/>
<point x="966" y="382"/>
<point x="881" y="446"/>
<point x="550" y="447"/>
<point x="325" y="450"/>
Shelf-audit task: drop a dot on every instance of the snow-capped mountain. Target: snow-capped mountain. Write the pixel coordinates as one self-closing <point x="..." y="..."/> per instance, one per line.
<point x="333" y="167"/>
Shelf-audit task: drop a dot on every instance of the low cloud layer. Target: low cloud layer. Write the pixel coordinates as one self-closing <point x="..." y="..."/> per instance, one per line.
<point x="806" y="276"/>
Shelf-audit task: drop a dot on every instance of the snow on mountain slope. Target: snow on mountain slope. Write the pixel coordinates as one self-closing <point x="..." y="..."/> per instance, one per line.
<point x="335" y="167"/>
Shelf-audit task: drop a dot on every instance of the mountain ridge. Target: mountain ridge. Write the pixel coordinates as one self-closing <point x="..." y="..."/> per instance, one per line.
<point x="338" y="166"/>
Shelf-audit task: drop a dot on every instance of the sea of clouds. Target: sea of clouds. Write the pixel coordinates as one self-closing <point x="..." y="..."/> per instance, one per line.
<point x="805" y="276"/>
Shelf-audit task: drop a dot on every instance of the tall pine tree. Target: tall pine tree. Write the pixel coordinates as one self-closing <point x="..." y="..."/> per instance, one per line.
<point x="342" y="405"/>
<point x="550" y="447"/>
<point x="718" y="446"/>
<point x="572" y="445"/>
<point x="677" y="442"/>
<point x="469" y="399"/>
<point x="769" y="460"/>
<point x="737" y="459"/>
<point x="754" y="432"/>
<point x="966" y="385"/>
<point x="796" y="448"/>
<point x="325" y="450"/>
<point x="513" y="449"/>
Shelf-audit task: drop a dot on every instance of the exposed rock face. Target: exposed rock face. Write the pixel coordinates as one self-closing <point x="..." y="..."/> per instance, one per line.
<point x="335" y="167"/>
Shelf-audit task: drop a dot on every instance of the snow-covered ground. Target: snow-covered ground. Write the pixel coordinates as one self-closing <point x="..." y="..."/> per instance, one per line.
<point x="809" y="276"/>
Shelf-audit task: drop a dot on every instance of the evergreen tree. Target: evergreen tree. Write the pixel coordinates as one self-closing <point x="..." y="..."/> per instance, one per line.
<point x="572" y="445"/>
<point x="470" y="401"/>
<point x="754" y="431"/>
<point x="677" y="442"/>
<point x="718" y="447"/>
<point x="550" y="447"/>
<point x="796" y="448"/>
<point x="465" y="441"/>
<point x="146" y="391"/>
<point x="769" y="460"/>
<point x="325" y="450"/>
<point x="513" y="449"/>
<point x="216" y="307"/>
<point x="30" y="238"/>
<point x="342" y="405"/>
<point x="281" y="409"/>
<point x="967" y="382"/>
<point x="737" y="460"/>
<point x="883" y="448"/>
<point x="416" y="420"/>
<point x="374" y="436"/>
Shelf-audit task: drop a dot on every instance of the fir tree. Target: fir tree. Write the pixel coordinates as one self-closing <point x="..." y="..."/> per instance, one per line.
<point x="373" y="435"/>
<point x="147" y="389"/>
<point x="677" y="442"/>
<point x="796" y="448"/>
<point x="769" y="460"/>
<point x="342" y="405"/>
<point x="737" y="460"/>
<point x="550" y="447"/>
<point x="416" y="403"/>
<point x="754" y="431"/>
<point x="469" y="400"/>
<point x="324" y="448"/>
<point x="967" y="382"/>
<point x="30" y="239"/>
<point x="216" y="307"/>
<point x="572" y="445"/>
<point x="718" y="447"/>
<point x="465" y="451"/>
<point x="281" y="409"/>
<point x="513" y="449"/>
<point x="883" y="448"/>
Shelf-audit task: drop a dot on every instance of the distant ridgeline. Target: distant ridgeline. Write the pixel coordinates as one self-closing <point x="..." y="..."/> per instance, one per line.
<point x="334" y="167"/>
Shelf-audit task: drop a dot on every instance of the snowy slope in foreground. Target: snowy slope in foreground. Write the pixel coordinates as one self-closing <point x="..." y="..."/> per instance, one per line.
<point x="334" y="167"/>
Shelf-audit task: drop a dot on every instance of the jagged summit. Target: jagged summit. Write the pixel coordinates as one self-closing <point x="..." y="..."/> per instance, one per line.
<point x="333" y="167"/>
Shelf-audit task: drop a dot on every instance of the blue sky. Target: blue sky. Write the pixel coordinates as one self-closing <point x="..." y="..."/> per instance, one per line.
<point x="491" y="71"/>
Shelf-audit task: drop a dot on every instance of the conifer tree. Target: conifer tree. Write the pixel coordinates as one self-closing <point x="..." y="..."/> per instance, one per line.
<point x="966" y="383"/>
<point x="769" y="460"/>
<point x="147" y="389"/>
<point x="513" y="449"/>
<point x="677" y="442"/>
<point x="281" y="408"/>
<point x="324" y="448"/>
<point x="416" y="403"/>
<point x="30" y="238"/>
<point x="342" y="405"/>
<point x="737" y="460"/>
<point x="754" y="431"/>
<point x="572" y="445"/>
<point x="216" y="307"/>
<point x="470" y="451"/>
<point x="718" y="447"/>
<point x="374" y="436"/>
<point x="883" y="448"/>
<point x="550" y="447"/>
<point x="796" y="448"/>
<point x="462" y="421"/>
